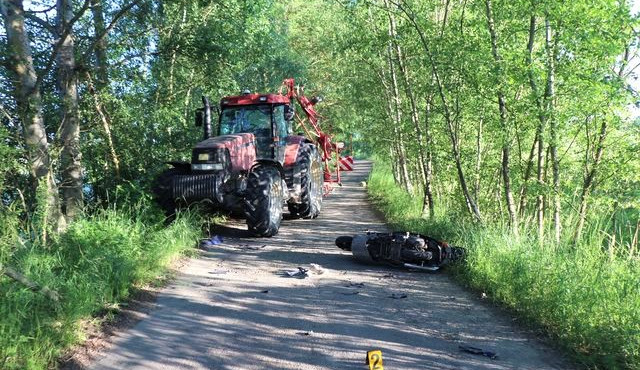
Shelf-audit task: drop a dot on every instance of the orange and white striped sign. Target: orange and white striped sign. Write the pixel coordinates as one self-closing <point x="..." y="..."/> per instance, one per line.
<point x="346" y="163"/>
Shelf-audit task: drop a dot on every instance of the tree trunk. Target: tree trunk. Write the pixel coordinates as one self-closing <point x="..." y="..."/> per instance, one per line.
<point x="101" y="84"/>
<point x="526" y="177"/>
<point x="476" y="182"/>
<point x="394" y="165"/>
<point x="502" y="106"/>
<point x="540" y="130"/>
<point x="394" y="147"/>
<point x="587" y="185"/>
<point x="70" y="158"/>
<point x="397" y="127"/>
<point x="102" y="74"/>
<point x="550" y="95"/>
<point x="29" y="103"/>
<point x="590" y="174"/>
<point x="415" y="119"/>
<point x="30" y="284"/>
<point x="470" y="202"/>
<point x="427" y="202"/>
<point x="106" y="125"/>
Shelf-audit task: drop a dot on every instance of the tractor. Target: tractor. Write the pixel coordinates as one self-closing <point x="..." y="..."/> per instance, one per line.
<point x="255" y="163"/>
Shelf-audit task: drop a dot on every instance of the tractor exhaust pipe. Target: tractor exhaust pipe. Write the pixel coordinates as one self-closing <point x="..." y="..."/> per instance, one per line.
<point x="207" y="118"/>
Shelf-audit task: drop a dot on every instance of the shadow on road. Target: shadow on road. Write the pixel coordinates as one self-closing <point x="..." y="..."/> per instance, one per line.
<point x="232" y="308"/>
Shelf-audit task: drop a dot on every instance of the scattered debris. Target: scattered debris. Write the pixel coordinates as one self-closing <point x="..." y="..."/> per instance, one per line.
<point x="478" y="351"/>
<point x="218" y="272"/>
<point x="31" y="285"/>
<point x="398" y="296"/>
<point x="316" y="269"/>
<point x="214" y="240"/>
<point x="248" y="247"/>
<point x="310" y="332"/>
<point x="301" y="273"/>
<point x="349" y="293"/>
<point x="484" y="295"/>
<point x="203" y="284"/>
<point x="354" y="285"/>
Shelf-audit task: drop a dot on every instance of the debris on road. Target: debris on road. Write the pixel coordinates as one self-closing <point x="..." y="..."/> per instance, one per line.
<point x="354" y="285"/>
<point x="210" y="242"/>
<point x="398" y="296"/>
<point x="300" y="273"/>
<point x="316" y="269"/>
<point x="478" y="351"/>
<point x="350" y="293"/>
<point x="218" y="272"/>
<point x="306" y="333"/>
<point x="247" y="247"/>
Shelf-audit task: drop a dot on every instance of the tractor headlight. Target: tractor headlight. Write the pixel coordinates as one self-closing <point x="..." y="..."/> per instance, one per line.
<point x="210" y="159"/>
<point x="207" y="166"/>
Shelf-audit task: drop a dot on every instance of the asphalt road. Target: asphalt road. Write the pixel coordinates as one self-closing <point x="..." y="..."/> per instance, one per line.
<point x="232" y="308"/>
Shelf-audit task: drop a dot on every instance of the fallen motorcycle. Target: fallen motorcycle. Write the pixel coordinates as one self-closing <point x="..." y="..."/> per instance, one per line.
<point x="400" y="249"/>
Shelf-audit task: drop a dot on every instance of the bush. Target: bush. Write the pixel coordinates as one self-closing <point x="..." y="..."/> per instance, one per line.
<point x="582" y="295"/>
<point x="93" y="264"/>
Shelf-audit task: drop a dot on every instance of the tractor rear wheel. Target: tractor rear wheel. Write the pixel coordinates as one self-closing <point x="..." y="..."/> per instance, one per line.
<point x="311" y="178"/>
<point x="163" y="190"/>
<point x="263" y="201"/>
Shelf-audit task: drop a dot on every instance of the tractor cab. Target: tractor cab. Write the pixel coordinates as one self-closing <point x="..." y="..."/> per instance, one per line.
<point x="266" y="116"/>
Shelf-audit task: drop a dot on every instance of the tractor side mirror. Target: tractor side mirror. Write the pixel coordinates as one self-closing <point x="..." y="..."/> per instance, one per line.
<point x="199" y="117"/>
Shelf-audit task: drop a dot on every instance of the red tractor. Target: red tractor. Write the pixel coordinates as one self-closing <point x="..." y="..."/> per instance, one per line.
<point x="255" y="163"/>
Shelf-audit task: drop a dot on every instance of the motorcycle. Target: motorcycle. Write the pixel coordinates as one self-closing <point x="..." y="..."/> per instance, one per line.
<point x="400" y="249"/>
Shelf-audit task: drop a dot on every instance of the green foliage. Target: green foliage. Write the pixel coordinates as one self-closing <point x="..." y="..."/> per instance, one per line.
<point x="8" y="233"/>
<point x="583" y="296"/>
<point x="9" y="155"/>
<point x="163" y="56"/>
<point x="93" y="265"/>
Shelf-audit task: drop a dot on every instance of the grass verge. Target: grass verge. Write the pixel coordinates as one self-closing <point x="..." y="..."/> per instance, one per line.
<point x="585" y="298"/>
<point x="92" y="265"/>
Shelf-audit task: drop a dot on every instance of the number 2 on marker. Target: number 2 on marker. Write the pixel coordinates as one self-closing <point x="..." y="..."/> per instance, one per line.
<point x="374" y="360"/>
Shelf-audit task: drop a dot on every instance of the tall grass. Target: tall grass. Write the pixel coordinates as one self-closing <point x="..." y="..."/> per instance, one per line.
<point x="585" y="297"/>
<point x="92" y="265"/>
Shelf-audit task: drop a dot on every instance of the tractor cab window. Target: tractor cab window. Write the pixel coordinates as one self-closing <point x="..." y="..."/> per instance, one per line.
<point x="282" y="131"/>
<point x="255" y="119"/>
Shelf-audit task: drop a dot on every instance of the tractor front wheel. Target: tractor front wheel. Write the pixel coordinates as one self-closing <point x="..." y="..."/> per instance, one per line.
<point x="263" y="201"/>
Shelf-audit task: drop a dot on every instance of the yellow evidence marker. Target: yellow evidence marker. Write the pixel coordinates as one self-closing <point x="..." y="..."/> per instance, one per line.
<point x="374" y="360"/>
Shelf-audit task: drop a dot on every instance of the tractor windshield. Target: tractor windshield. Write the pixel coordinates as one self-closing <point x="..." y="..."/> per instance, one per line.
<point x="255" y="119"/>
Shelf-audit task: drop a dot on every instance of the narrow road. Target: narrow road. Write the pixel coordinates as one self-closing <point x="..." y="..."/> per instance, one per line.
<point x="232" y="308"/>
